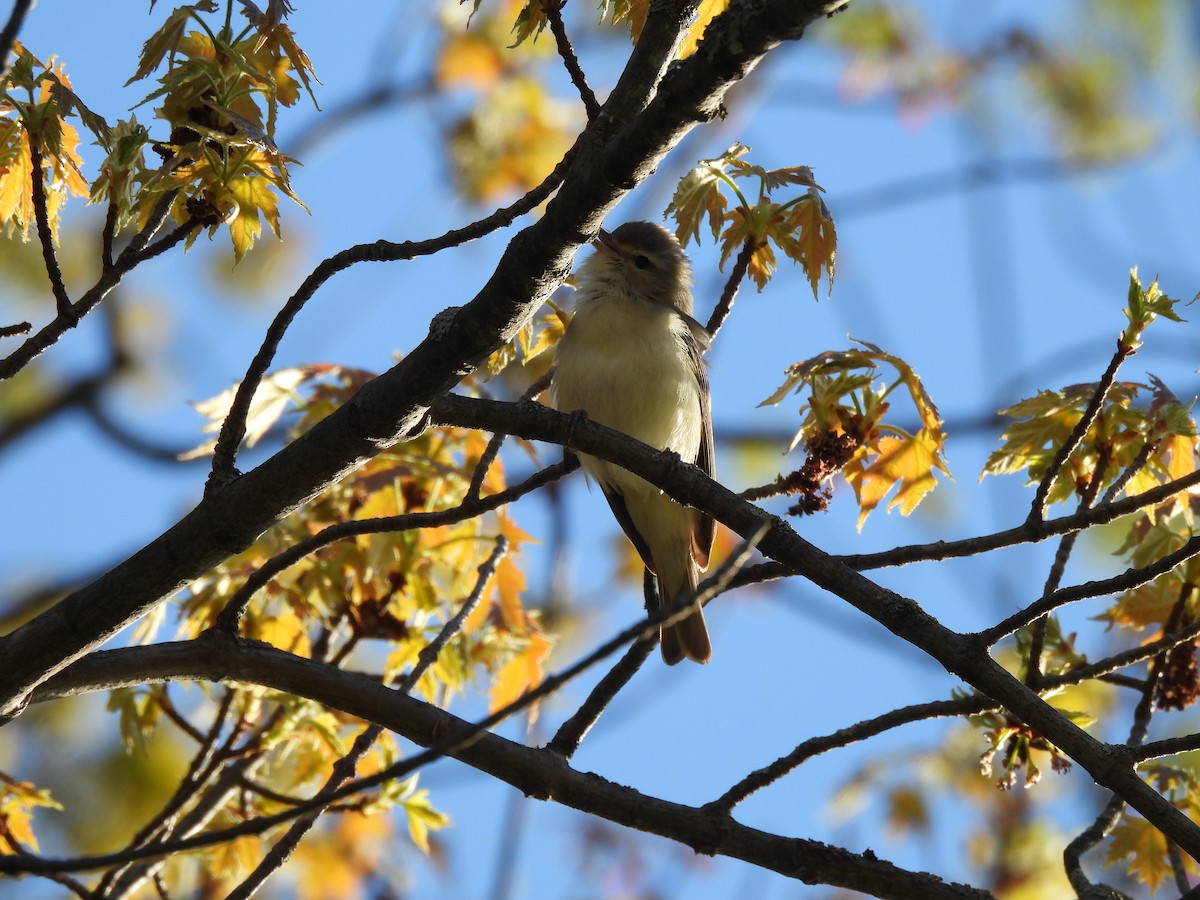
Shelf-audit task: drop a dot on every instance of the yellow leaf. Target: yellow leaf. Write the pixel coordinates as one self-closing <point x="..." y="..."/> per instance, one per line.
<point x="520" y="674"/>
<point x="633" y="11"/>
<point x="253" y="195"/>
<point x="908" y="462"/>
<point x="18" y="799"/>
<point x="512" y="139"/>
<point x="705" y="13"/>
<point x="510" y="584"/>
<point x="468" y="59"/>
<point x="815" y="242"/>
<point x="422" y="818"/>
<point x="284" y="631"/>
<point x="1146" y="848"/>
<point x="16" y="186"/>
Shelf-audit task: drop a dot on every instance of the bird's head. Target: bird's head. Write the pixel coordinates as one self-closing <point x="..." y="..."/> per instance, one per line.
<point x="647" y="259"/>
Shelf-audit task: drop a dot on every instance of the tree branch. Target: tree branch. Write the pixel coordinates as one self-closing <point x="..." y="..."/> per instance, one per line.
<point x="538" y="773"/>
<point x="62" y="302"/>
<point x="725" y="305"/>
<point x="11" y="29"/>
<point x="553" y="9"/>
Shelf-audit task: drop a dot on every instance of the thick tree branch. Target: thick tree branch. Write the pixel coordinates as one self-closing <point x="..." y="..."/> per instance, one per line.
<point x="538" y="773"/>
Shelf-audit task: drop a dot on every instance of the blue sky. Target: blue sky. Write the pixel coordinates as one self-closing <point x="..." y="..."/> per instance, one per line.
<point x="989" y="293"/>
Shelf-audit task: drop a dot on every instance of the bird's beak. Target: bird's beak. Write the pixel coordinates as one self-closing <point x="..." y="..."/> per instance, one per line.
<point x="604" y="243"/>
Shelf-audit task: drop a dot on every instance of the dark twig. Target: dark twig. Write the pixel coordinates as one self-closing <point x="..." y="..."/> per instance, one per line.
<point x="1028" y="532"/>
<point x="663" y="617"/>
<point x="15" y="330"/>
<point x="174" y="237"/>
<point x="201" y="771"/>
<point x="230" y="617"/>
<point x="725" y="305"/>
<point x="109" y="233"/>
<point x="343" y="769"/>
<point x="233" y="429"/>
<point x="11" y="29"/>
<point x="1038" y="509"/>
<point x="62" y="302"/>
<point x="155" y="221"/>
<point x="1127" y="580"/>
<point x="531" y="771"/>
<point x="553" y="9"/>
<point x="572" y="732"/>
<point x="21" y="852"/>
<point x="761" y="778"/>
<point x="1037" y="643"/>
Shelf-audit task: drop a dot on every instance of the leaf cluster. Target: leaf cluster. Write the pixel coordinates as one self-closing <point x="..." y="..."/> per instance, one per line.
<point x="36" y="103"/>
<point x="801" y="227"/>
<point x="845" y="398"/>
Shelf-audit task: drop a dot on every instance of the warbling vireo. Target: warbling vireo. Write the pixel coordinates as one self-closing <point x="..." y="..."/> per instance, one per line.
<point x="632" y="360"/>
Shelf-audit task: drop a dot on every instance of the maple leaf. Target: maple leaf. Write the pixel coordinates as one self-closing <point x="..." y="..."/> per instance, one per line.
<point x="908" y="462"/>
<point x="844" y="399"/>
<point x="422" y="817"/>
<point x="521" y="673"/>
<point x="811" y="239"/>
<point x="165" y="41"/>
<point x="1143" y="846"/>
<point x="631" y="11"/>
<point x="705" y="13"/>
<point x="698" y="195"/>
<point x="254" y="196"/>
<point x="18" y="799"/>
<point x="1144" y="306"/>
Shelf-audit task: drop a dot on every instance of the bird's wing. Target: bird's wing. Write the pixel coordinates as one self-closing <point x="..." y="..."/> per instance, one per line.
<point x="616" y="502"/>
<point x="702" y="538"/>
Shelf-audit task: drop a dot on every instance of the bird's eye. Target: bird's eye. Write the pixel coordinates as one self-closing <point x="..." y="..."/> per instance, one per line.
<point x="641" y="262"/>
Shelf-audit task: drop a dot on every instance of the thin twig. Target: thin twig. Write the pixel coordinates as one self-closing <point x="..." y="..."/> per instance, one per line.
<point x="11" y="29"/>
<point x="1138" y="730"/>
<point x="201" y="771"/>
<point x="1027" y="532"/>
<point x="1037" y="643"/>
<point x="15" y="330"/>
<point x="62" y="301"/>
<point x="553" y="9"/>
<point x="155" y="221"/>
<point x="761" y="778"/>
<point x="174" y="236"/>
<point x="725" y="305"/>
<point x="109" y="233"/>
<point x="572" y="732"/>
<point x="1038" y="509"/>
<point x="663" y="617"/>
<point x="1127" y="580"/>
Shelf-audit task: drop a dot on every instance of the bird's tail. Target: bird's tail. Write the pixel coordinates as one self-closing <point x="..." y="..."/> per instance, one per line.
<point x="689" y="636"/>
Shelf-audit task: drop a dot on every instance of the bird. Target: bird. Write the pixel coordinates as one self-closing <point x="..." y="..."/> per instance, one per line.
<point x="632" y="359"/>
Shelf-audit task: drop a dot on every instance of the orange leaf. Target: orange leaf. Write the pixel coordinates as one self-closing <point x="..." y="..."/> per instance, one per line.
<point x="468" y="59"/>
<point x="520" y="674"/>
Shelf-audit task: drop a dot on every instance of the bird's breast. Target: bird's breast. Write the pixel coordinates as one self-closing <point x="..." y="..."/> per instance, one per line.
<point x="626" y="365"/>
